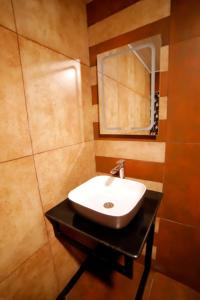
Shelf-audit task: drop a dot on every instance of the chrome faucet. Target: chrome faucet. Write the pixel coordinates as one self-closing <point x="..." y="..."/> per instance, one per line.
<point x="119" y="168"/>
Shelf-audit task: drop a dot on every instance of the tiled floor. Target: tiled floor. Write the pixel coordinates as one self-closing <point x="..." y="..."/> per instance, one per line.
<point x="114" y="286"/>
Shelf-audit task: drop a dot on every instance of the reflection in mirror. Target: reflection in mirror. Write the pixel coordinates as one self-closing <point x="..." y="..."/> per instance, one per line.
<point x="126" y="80"/>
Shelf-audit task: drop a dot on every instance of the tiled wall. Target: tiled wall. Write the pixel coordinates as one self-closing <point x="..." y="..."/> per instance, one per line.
<point x="46" y="138"/>
<point x="171" y="161"/>
<point x="179" y="237"/>
<point x="46" y="132"/>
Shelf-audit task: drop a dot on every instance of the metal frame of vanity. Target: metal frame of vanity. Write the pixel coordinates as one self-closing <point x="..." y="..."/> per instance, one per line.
<point x="110" y="243"/>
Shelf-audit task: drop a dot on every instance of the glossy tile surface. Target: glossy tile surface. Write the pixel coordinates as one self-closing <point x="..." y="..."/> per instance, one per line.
<point x="147" y="151"/>
<point x="61" y="170"/>
<point x="184" y="91"/>
<point x="45" y="97"/>
<point x="62" y="25"/>
<point x="6" y="14"/>
<point x="178" y="252"/>
<point x="22" y="228"/>
<point x="53" y="92"/>
<point x="35" y="279"/>
<point x="185" y="20"/>
<point x="181" y="192"/>
<point x="14" y="135"/>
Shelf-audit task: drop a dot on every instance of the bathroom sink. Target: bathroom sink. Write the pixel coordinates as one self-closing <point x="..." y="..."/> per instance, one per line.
<point x="107" y="200"/>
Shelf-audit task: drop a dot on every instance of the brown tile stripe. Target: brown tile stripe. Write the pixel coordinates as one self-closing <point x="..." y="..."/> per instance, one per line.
<point x="185" y="20"/>
<point x="97" y="11"/>
<point x="160" y="138"/>
<point x="158" y="27"/>
<point x="95" y="98"/>
<point x="157" y="81"/>
<point x="152" y="171"/>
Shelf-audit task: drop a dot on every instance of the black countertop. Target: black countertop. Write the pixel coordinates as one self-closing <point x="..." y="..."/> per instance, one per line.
<point x="128" y="241"/>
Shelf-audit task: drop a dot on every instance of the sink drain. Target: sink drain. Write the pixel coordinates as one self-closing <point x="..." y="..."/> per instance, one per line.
<point x="108" y="205"/>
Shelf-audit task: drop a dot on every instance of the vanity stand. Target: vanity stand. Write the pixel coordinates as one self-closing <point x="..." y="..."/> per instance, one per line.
<point x="111" y="243"/>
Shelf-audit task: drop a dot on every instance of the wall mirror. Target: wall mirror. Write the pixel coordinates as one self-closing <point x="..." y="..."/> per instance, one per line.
<point x="128" y="102"/>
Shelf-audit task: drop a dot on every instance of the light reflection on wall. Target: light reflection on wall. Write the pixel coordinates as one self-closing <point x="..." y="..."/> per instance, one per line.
<point x="71" y="73"/>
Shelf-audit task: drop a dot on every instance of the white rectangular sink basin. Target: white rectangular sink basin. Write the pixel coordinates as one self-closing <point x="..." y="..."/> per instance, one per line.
<point x="107" y="200"/>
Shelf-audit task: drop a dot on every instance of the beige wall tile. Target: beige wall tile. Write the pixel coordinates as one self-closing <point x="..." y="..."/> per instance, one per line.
<point x="87" y="113"/>
<point x="22" y="227"/>
<point x="14" y="135"/>
<point x="147" y="151"/>
<point x="61" y="170"/>
<point x="130" y="18"/>
<point x="66" y="262"/>
<point x="163" y="108"/>
<point x="164" y="58"/>
<point x="95" y="113"/>
<point x="60" y="25"/>
<point x="53" y="92"/>
<point x="93" y="75"/>
<point x="35" y="279"/>
<point x="6" y="14"/>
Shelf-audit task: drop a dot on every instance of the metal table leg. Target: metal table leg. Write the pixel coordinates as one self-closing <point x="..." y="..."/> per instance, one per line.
<point x="73" y="280"/>
<point x="125" y="270"/>
<point x="147" y="263"/>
